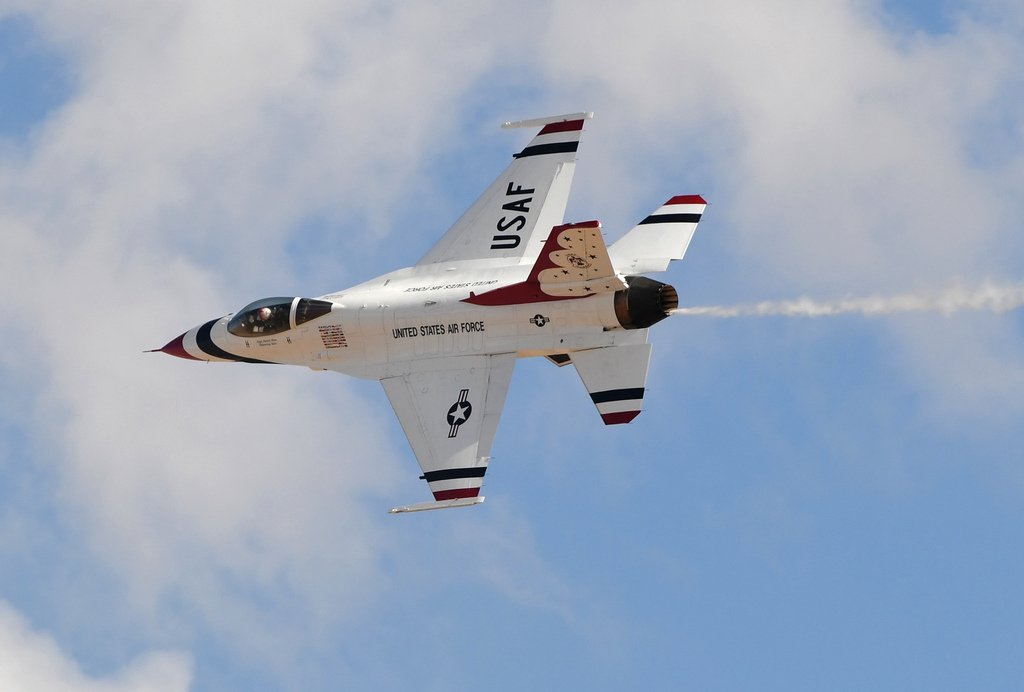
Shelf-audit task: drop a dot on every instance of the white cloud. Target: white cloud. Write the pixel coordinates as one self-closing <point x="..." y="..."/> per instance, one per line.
<point x="848" y="159"/>
<point x="842" y="143"/>
<point x="33" y="662"/>
<point x="201" y="135"/>
<point x="196" y="140"/>
<point x="241" y="501"/>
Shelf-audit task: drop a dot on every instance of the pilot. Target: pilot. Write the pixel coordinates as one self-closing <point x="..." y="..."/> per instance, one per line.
<point x="259" y="321"/>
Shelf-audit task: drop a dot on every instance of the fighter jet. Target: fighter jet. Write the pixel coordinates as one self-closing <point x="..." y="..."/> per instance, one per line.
<point x="509" y="280"/>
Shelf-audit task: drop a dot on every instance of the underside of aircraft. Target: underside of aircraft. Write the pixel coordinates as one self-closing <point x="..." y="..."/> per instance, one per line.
<point x="510" y="279"/>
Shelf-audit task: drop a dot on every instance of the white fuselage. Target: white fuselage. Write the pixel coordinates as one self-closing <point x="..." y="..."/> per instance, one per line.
<point x="375" y="328"/>
<point x="509" y="279"/>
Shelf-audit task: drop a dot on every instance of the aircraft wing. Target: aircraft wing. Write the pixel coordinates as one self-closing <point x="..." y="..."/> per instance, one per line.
<point x="512" y="218"/>
<point x="449" y="410"/>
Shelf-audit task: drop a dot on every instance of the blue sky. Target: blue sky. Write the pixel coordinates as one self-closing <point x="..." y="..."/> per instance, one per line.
<point x="831" y="503"/>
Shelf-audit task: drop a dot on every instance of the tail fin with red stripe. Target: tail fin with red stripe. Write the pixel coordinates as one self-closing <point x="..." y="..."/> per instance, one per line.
<point x="660" y="238"/>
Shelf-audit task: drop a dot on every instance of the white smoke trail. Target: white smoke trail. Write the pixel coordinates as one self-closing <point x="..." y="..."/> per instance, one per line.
<point x="988" y="297"/>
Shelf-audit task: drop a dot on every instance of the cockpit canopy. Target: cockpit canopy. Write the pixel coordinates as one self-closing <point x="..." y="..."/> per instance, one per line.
<point x="275" y="315"/>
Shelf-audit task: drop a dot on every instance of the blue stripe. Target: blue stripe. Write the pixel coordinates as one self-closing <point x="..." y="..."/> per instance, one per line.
<point x="553" y="148"/>
<point x="453" y="474"/>
<point x="206" y="345"/>
<point x="617" y="395"/>
<point x="671" y="218"/>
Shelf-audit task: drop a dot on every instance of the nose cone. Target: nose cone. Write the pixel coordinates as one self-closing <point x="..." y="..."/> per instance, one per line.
<point x="176" y="347"/>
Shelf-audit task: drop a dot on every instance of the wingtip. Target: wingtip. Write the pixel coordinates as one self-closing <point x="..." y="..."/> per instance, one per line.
<point x="549" y="120"/>
<point x="686" y="199"/>
<point x="443" y="504"/>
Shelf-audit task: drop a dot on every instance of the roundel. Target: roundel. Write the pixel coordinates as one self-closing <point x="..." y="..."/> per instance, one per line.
<point x="459" y="413"/>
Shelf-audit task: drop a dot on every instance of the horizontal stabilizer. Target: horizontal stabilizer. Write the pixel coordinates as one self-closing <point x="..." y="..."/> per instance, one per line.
<point x="660" y="238"/>
<point x="427" y="506"/>
<point x="615" y="378"/>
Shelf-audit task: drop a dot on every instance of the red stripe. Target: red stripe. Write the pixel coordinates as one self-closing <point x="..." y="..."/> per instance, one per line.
<point x="564" y="126"/>
<point x="523" y="292"/>
<point x="619" y="418"/>
<point x="529" y="291"/>
<point x="687" y="199"/>
<point x="176" y="347"/>
<point x="456" y="493"/>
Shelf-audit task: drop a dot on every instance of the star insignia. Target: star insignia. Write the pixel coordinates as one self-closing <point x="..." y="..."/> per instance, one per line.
<point x="459" y="413"/>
